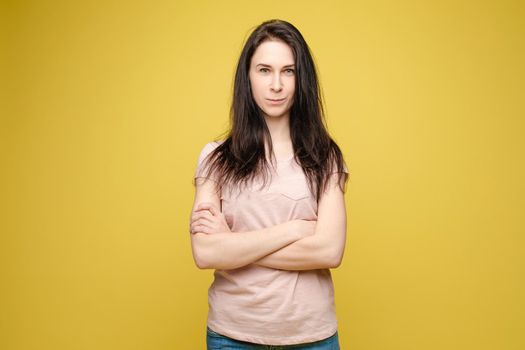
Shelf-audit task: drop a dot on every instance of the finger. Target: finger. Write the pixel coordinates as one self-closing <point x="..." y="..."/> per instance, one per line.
<point x="205" y="223"/>
<point x="202" y="229"/>
<point x="203" y="205"/>
<point x="206" y="215"/>
<point x="202" y="213"/>
<point x="209" y="206"/>
<point x="194" y="228"/>
<point x="201" y="210"/>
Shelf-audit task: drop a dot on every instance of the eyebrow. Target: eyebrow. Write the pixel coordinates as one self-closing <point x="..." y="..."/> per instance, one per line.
<point x="267" y="65"/>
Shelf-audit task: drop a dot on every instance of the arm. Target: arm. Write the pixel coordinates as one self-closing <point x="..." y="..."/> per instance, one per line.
<point x="323" y="249"/>
<point x="223" y="249"/>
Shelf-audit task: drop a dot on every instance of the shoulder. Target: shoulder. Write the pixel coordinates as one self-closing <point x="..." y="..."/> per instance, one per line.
<point x="203" y="164"/>
<point x="208" y="148"/>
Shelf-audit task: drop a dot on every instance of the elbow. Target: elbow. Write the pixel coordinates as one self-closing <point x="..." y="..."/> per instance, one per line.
<point x="335" y="259"/>
<point x="204" y="263"/>
<point x="335" y="263"/>
<point x="331" y="255"/>
<point x="203" y="260"/>
<point x="200" y="257"/>
<point x="200" y="262"/>
<point x="206" y="256"/>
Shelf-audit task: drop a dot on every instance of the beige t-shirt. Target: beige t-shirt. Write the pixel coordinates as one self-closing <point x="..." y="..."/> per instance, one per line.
<point x="264" y="305"/>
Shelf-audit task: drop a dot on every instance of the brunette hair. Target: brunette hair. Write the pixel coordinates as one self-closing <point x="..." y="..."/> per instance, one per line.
<point x="241" y="156"/>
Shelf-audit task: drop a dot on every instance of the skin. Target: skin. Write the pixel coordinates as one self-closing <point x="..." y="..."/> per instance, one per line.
<point x="272" y="76"/>
<point x="293" y="245"/>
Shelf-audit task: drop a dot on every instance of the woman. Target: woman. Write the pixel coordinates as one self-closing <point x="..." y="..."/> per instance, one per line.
<point x="269" y="213"/>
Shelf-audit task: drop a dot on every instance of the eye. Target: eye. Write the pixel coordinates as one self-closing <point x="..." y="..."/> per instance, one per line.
<point x="291" y="71"/>
<point x="263" y="70"/>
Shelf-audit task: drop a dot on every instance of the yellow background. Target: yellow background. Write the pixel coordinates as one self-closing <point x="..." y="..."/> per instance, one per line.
<point x="106" y="105"/>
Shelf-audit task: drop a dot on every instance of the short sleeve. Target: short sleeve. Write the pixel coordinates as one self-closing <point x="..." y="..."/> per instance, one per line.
<point x="203" y="162"/>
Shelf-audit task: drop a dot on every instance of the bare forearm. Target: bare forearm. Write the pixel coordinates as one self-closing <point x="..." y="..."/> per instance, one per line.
<point x="236" y="249"/>
<point x="308" y="253"/>
<point x="323" y="249"/>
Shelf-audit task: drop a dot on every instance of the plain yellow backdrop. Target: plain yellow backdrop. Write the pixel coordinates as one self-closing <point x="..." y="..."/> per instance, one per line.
<point x="107" y="104"/>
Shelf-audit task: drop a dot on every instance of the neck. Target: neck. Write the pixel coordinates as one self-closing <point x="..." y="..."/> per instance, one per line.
<point x="279" y="129"/>
<point x="280" y="132"/>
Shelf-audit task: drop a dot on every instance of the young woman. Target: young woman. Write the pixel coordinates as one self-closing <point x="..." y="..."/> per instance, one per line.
<point x="269" y="212"/>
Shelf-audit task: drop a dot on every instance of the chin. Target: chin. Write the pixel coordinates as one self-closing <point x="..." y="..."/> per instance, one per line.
<point x="275" y="115"/>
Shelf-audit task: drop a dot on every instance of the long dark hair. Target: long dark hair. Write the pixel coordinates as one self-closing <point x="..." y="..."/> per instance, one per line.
<point x="241" y="157"/>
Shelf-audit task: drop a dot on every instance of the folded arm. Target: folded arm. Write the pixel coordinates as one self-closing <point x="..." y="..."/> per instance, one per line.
<point x="215" y="247"/>
<point x="323" y="249"/>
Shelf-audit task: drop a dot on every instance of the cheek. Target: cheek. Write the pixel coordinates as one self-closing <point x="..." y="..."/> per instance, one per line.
<point x="257" y="88"/>
<point x="292" y="90"/>
<point x="291" y="85"/>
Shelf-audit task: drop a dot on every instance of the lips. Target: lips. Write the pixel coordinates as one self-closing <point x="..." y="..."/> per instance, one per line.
<point x="276" y="101"/>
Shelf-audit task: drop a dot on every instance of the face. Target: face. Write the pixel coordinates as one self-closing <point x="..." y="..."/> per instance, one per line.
<point x="272" y="78"/>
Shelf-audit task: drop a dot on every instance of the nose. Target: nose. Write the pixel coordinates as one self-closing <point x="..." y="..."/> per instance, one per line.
<point x="276" y="82"/>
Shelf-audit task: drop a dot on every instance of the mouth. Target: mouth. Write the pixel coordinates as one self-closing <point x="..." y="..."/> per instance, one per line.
<point x="273" y="101"/>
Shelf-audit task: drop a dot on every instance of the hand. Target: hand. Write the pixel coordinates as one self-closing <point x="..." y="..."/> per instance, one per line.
<point x="207" y="218"/>
<point x="303" y="228"/>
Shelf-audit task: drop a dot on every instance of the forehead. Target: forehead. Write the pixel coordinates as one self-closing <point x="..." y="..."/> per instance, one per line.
<point x="273" y="53"/>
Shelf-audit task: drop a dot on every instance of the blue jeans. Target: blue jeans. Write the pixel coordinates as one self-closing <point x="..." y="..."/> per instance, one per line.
<point x="216" y="341"/>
